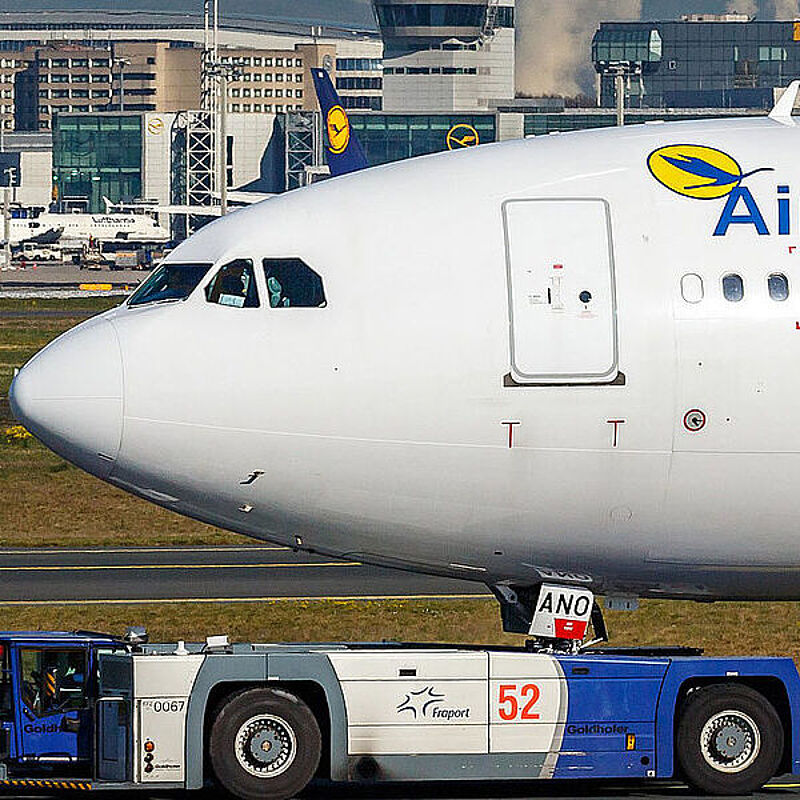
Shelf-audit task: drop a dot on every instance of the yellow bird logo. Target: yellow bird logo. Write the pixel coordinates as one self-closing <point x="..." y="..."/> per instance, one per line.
<point x="338" y="130"/>
<point x="462" y="136"/>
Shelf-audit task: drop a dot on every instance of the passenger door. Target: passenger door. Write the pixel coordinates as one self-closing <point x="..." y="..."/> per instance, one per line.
<point x="562" y="302"/>
<point x="55" y="720"/>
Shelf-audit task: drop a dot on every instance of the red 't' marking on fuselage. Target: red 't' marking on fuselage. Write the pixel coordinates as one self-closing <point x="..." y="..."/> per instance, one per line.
<point x="511" y="424"/>
<point x="616" y="423"/>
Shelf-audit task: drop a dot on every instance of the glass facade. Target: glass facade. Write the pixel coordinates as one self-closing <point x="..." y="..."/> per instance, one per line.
<point x="636" y="45"/>
<point x="538" y="124"/>
<point x="436" y="15"/>
<point x="702" y="64"/>
<point x="96" y="156"/>
<point x="391" y="137"/>
<point x="358" y="64"/>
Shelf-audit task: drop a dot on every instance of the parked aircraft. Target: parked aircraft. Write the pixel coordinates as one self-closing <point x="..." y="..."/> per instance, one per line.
<point x="136" y="224"/>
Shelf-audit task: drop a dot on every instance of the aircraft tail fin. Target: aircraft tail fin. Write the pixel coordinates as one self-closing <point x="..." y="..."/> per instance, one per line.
<point x="782" y="112"/>
<point x="345" y="153"/>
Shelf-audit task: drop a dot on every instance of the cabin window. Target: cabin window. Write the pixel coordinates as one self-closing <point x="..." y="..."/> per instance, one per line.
<point x="692" y="288"/>
<point x="778" y="285"/>
<point x="733" y="288"/>
<point x="169" y="282"/>
<point x="291" y="283"/>
<point x="234" y="285"/>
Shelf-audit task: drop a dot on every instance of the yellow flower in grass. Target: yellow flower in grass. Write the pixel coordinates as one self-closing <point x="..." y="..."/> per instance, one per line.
<point x="17" y="434"/>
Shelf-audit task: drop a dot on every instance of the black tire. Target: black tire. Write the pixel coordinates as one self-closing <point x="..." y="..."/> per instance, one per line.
<point x="729" y="740"/>
<point x="265" y="744"/>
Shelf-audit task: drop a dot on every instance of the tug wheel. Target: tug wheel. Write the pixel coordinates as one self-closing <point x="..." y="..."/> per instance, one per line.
<point x="265" y="744"/>
<point x="729" y="740"/>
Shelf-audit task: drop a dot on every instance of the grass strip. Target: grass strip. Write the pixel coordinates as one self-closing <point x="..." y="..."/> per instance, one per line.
<point x="719" y="628"/>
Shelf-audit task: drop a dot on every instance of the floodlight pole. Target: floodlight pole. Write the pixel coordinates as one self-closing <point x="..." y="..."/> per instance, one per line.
<point x="10" y="172"/>
<point x="223" y="143"/>
<point x="224" y="72"/>
<point x="122" y="63"/>
<point x="6" y="213"/>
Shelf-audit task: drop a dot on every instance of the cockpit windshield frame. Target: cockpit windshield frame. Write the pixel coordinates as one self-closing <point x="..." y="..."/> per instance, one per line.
<point x="170" y="282"/>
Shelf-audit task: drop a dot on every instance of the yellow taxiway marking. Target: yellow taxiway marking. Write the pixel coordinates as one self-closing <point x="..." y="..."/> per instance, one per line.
<point x="95" y="287"/>
<point x="782" y="786"/>
<point x="185" y="600"/>
<point x="58" y="551"/>
<point x="101" y="567"/>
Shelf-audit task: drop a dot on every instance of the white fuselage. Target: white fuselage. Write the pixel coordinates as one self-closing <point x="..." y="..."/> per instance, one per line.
<point x="32" y="229"/>
<point x="655" y="447"/>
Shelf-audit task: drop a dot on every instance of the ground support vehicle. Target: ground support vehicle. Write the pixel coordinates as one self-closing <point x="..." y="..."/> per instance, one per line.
<point x="82" y="710"/>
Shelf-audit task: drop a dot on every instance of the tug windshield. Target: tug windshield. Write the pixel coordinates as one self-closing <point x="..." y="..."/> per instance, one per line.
<point x="169" y="282"/>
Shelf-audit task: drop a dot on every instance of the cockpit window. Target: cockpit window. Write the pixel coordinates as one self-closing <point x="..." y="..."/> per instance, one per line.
<point x="291" y="283"/>
<point x="169" y="282"/>
<point x="234" y="285"/>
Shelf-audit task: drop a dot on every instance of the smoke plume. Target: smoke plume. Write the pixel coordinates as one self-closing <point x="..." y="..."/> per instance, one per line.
<point x="554" y="40"/>
<point x="749" y="7"/>
<point x="781" y="9"/>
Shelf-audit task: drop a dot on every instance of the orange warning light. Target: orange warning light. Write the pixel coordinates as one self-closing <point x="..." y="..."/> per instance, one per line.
<point x="149" y="746"/>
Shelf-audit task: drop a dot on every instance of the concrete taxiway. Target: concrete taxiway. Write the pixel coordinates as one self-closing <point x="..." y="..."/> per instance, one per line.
<point x="181" y="574"/>
<point x="54" y="275"/>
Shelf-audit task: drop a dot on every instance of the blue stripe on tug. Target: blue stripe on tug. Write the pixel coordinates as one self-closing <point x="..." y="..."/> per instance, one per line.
<point x="614" y="697"/>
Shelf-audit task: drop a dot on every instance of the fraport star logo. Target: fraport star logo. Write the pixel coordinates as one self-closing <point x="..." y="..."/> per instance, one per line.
<point x="419" y="702"/>
<point x="426" y="703"/>
<point x="705" y="173"/>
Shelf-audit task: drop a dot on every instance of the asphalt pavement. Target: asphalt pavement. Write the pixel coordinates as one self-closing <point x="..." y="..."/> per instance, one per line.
<point x="783" y="788"/>
<point x="179" y="574"/>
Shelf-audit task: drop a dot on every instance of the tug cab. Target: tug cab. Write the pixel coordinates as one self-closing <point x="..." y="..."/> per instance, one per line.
<point x="48" y="693"/>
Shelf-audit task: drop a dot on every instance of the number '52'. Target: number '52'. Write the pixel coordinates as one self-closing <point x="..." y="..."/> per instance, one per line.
<point x="509" y="703"/>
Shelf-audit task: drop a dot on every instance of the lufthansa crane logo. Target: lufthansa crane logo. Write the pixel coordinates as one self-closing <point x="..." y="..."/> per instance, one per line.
<point x="338" y="130"/>
<point x="696" y="171"/>
<point x="462" y="136"/>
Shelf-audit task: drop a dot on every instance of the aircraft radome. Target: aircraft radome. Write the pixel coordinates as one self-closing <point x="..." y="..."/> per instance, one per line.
<point x="570" y="358"/>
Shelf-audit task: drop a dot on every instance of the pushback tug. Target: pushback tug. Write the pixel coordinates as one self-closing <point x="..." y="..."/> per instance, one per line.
<point x="89" y="711"/>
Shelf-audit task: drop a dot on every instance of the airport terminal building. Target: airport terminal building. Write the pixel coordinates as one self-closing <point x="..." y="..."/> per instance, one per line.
<point x="446" y="56"/>
<point x="96" y="56"/>
<point x="699" y="61"/>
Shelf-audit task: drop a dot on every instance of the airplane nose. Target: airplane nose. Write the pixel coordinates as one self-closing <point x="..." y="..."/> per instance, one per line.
<point x="70" y="396"/>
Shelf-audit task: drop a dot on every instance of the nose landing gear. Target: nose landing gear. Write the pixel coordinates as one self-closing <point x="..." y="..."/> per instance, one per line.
<point x="556" y="616"/>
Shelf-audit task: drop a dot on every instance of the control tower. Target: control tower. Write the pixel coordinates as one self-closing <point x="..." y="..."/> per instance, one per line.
<point x="454" y="56"/>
